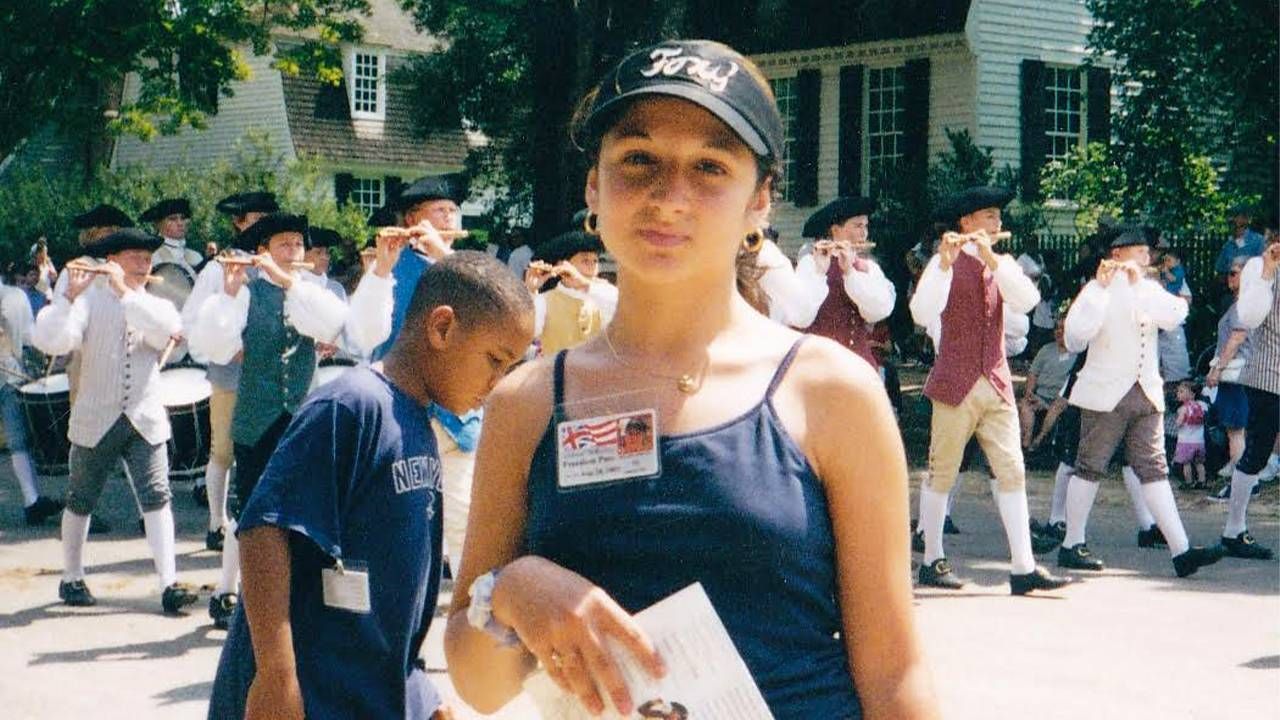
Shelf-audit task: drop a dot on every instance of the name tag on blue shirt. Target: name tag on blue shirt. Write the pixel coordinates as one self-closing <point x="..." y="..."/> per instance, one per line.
<point x="608" y="448"/>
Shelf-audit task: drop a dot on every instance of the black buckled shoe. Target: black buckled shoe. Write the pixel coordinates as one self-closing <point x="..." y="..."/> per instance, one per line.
<point x="214" y="539"/>
<point x="1043" y="541"/>
<point x="949" y="527"/>
<point x="917" y="542"/>
<point x="76" y="594"/>
<point x="221" y="608"/>
<point x="176" y="597"/>
<point x="1244" y="546"/>
<point x="938" y="574"/>
<point x="1038" y="579"/>
<point x="1197" y="557"/>
<point x="1078" y="557"/>
<point x="200" y="494"/>
<point x="1151" y="538"/>
<point x="40" y="510"/>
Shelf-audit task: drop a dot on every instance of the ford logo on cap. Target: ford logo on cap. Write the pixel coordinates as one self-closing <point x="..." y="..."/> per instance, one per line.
<point x="709" y="74"/>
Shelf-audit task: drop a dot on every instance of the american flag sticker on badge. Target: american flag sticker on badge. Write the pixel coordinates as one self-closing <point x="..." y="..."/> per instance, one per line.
<point x="606" y="449"/>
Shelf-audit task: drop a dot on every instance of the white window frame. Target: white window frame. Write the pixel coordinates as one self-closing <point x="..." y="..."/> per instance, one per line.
<point x="784" y="91"/>
<point x="1059" y="95"/>
<point x="877" y="115"/>
<point x="357" y="58"/>
<point x="367" y="193"/>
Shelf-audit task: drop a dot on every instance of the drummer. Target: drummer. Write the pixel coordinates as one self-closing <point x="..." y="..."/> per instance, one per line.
<point x="121" y="330"/>
<point x="93" y="225"/>
<point x="15" y="333"/>
<point x="171" y="218"/>
<point x="277" y="319"/>
<point x="243" y="210"/>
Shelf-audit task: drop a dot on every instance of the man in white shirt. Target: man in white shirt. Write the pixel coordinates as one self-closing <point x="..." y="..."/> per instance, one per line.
<point x="120" y="331"/>
<point x="1121" y="398"/>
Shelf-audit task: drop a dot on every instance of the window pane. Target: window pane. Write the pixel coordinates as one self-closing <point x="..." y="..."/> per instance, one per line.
<point x="784" y="92"/>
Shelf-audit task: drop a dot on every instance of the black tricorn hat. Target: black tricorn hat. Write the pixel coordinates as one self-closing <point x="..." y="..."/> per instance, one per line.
<point x="261" y="232"/>
<point x="247" y="202"/>
<point x="563" y="247"/>
<point x="836" y="212"/>
<point x="102" y="216"/>
<point x="323" y="237"/>
<point x="165" y="208"/>
<point x="384" y="216"/>
<point x="971" y="200"/>
<point x="121" y="240"/>
<point x="433" y="187"/>
<point x="1130" y="236"/>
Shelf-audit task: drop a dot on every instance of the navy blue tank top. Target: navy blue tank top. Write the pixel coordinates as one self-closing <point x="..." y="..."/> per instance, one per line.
<point x="738" y="508"/>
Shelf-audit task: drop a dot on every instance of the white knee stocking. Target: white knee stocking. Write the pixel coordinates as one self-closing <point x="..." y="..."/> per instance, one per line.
<point x="159" y="526"/>
<point x="26" y="473"/>
<point x="230" y="581"/>
<point x="1080" y="495"/>
<point x="933" y="513"/>
<point x="75" y="533"/>
<point x="1140" y="511"/>
<point x="1159" y="497"/>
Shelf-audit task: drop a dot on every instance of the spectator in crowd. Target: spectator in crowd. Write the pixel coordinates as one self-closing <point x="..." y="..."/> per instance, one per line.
<point x="1245" y="241"/>
<point x="1234" y="350"/>
<point x="46" y="273"/>
<point x="1043" y="389"/>
<point x="1175" y="363"/>
<point x="1189" y="452"/>
<point x="28" y="278"/>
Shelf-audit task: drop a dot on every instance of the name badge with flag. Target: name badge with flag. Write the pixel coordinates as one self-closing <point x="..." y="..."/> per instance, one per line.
<point x="607" y="448"/>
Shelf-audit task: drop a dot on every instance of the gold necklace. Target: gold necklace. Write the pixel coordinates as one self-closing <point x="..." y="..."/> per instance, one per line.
<point x="685" y="383"/>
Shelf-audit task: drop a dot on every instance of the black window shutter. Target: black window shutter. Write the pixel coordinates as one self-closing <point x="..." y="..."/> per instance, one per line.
<point x="391" y="185"/>
<point x="342" y="183"/>
<point x="1098" y="128"/>
<point x="849" y="179"/>
<point x="915" y="121"/>
<point x="807" y="117"/>
<point x="1034" y="140"/>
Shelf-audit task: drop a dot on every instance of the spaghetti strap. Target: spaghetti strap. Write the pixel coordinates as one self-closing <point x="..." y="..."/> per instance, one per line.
<point x="782" y="367"/>
<point x="558" y="392"/>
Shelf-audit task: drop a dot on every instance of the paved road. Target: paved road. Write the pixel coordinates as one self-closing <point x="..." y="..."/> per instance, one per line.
<point x="1133" y="643"/>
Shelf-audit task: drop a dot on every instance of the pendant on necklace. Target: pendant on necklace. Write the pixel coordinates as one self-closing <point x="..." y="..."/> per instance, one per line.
<point x="687" y="384"/>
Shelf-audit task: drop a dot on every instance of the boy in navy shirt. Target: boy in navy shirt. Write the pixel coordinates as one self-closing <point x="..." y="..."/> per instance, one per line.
<point x="340" y="541"/>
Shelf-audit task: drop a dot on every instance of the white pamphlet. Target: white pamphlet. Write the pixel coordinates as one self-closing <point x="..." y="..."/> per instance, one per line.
<point x="706" y="678"/>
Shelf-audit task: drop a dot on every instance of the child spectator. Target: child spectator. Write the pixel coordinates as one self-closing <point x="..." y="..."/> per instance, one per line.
<point x="1190" y="423"/>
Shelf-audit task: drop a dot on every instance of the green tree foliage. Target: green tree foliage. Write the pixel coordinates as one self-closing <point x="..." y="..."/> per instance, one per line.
<point x="65" y="60"/>
<point x="34" y="203"/>
<point x="1198" y="83"/>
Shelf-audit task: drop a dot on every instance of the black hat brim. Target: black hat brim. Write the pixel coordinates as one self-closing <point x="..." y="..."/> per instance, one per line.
<point x="694" y="94"/>
<point x="120" y="241"/>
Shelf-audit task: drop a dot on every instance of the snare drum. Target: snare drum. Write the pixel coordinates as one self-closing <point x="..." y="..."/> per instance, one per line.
<point x="46" y="404"/>
<point x="174" y="283"/>
<point x="185" y="393"/>
<point x="330" y="369"/>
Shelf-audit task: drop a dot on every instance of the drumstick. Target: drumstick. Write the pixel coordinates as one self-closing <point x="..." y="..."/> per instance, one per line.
<point x="49" y="368"/>
<point x="22" y="376"/>
<point x="100" y="270"/>
<point x="168" y="349"/>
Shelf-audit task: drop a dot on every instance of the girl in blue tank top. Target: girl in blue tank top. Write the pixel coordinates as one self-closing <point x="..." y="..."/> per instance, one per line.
<point x="782" y="486"/>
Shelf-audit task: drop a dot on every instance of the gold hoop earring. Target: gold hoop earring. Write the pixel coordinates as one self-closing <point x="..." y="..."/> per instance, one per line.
<point x="753" y="241"/>
<point x="591" y="224"/>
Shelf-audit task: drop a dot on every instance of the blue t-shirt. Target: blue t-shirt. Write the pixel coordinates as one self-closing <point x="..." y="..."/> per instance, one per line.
<point x="357" y="477"/>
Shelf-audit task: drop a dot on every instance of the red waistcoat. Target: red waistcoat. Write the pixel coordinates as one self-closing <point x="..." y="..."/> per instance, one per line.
<point x="838" y="318"/>
<point x="972" y="336"/>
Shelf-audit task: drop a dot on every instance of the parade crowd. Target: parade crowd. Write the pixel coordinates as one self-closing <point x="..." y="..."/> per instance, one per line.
<point x="334" y="431"/>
